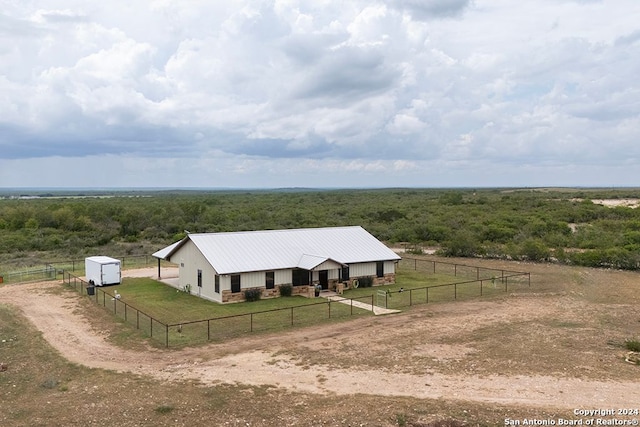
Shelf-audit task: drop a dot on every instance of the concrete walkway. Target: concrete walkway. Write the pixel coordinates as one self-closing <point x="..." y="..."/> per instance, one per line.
<point x="376" y="310"/>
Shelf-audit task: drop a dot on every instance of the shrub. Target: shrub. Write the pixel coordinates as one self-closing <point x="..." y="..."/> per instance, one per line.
<point x="50" y="383"/>
<point x="632" y="345"/>
<point x="164" y="409"/>
<point x="251" y="295"/>
<point x="366" y="282"/>
<point x="415" y="250"/>
<point x="286" y="290"/>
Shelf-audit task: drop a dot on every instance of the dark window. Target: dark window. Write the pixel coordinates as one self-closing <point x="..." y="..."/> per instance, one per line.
<point x="344" y="273"/>
<point x="300" y="277"/>
<point x="199" y="278"/>
<point x="270" y="280"/>
<point x="235" y="283"/>
<point x="380" y="268"/>
<point x="217" y="284"/>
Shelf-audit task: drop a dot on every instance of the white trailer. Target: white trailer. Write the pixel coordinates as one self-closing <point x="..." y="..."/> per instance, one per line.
<point x="102" y="270"/>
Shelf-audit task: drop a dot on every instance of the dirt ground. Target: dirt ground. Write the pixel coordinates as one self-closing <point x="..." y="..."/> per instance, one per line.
<point x="556" y="345"/>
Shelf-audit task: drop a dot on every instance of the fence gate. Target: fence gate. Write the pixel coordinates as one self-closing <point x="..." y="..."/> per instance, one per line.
<point x="381" y="299"/>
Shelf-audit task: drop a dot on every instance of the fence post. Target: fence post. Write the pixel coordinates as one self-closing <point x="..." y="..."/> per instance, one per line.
<point x="208" y="329"/>
<point x="167" y="337"/>
<point x="506" y="282"/>
<point x="427" y="295"/>
<point x="455" y="291"/>
<point x="415" y="263"/>
<point x="250" y="322"/>
<point x="137" y="319"/>
<point x="480" y="287"/>
<point x="352" y="306"/>
<point x="329" y="304"/>
<point x="410" y="297"/>
<point x="455" y="270"/>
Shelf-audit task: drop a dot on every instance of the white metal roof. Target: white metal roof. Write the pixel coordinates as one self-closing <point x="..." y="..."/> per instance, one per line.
<point x="280" y="249"/>
<point x="101" y="259"/>
<point x="162" y="253"/>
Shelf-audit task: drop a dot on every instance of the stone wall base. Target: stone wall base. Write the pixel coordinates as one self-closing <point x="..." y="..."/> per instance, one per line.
<point x="307" y="291"/>
<point x="230" y="297"/>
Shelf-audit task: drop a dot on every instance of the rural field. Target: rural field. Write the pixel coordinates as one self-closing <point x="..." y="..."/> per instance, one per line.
<point x="535" y="353"/>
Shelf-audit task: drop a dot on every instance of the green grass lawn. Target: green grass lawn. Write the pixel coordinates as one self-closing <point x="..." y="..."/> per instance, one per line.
<point x="173" y="306"/>
<point x="193" y="319"/>
<point x="419" y="287"/>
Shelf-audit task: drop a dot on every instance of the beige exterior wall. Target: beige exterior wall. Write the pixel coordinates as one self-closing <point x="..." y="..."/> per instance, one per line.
<point x="363" y="269"/>
<point x="369" y="269"/>
<point x="190" y="260"/>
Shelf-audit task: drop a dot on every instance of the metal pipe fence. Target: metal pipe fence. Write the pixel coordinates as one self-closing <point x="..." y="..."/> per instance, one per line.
<point x="220" y="328"/>
<point x="128" y="261"/>
<point x="481" y="282"/>
<point x="455" y="269"/>
<point x="153" y="327"/>
<point x="223" y="328"/>
<point x="52" y="269"/>
<point x="28" y="275"/>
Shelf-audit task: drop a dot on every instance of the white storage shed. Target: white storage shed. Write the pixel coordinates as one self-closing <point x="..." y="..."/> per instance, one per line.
<point x="102" y="270"/>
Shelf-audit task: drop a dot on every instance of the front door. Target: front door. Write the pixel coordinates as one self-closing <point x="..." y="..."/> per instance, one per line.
<point x="323" y="276"/>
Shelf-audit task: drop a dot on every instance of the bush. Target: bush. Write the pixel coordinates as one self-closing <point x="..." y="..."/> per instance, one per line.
<point x="632" y="345"/>
<point x="251" y="295"/>
<point x="286" y="290"/>
<point x="365" y="282"/>
<point x="164" y="409"/>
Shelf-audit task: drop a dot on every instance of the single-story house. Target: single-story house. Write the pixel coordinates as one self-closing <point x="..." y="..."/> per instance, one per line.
<point x="221" y="266"/>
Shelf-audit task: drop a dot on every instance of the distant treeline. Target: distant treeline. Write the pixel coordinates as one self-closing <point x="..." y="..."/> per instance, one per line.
<point x="562" y="225"/>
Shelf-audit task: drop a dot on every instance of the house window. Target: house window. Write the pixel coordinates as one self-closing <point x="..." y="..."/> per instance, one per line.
<point x="216" y="284"/>
<point x="344" y="273"/>
<point x="199" y="278"/>
<point x="380" y="268"/>
<point x="300" y="277"/>
<point x="235" y="283"/>
<point x="270" y="280"/>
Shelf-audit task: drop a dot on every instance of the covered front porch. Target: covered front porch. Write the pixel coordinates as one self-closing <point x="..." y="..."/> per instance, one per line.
<point x="317" y="270"/>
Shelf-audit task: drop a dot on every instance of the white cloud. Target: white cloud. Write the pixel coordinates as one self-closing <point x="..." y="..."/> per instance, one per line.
<point x="390" y="89"/>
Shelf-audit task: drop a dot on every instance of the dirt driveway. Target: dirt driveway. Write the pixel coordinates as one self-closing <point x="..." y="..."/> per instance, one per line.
<point x="542" y="349"/>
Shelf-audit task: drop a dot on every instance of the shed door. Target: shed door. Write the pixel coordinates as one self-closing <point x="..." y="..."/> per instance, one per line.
<point x="323" y="276"/>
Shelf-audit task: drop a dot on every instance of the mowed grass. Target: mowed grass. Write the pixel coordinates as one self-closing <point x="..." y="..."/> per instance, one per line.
<point x="414" y="287"/>
<point x="183" y="319"/>
<point x="174" y="306"/>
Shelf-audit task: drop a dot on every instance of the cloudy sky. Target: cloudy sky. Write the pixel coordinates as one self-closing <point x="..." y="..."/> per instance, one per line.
<point x="319" y="93"/>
